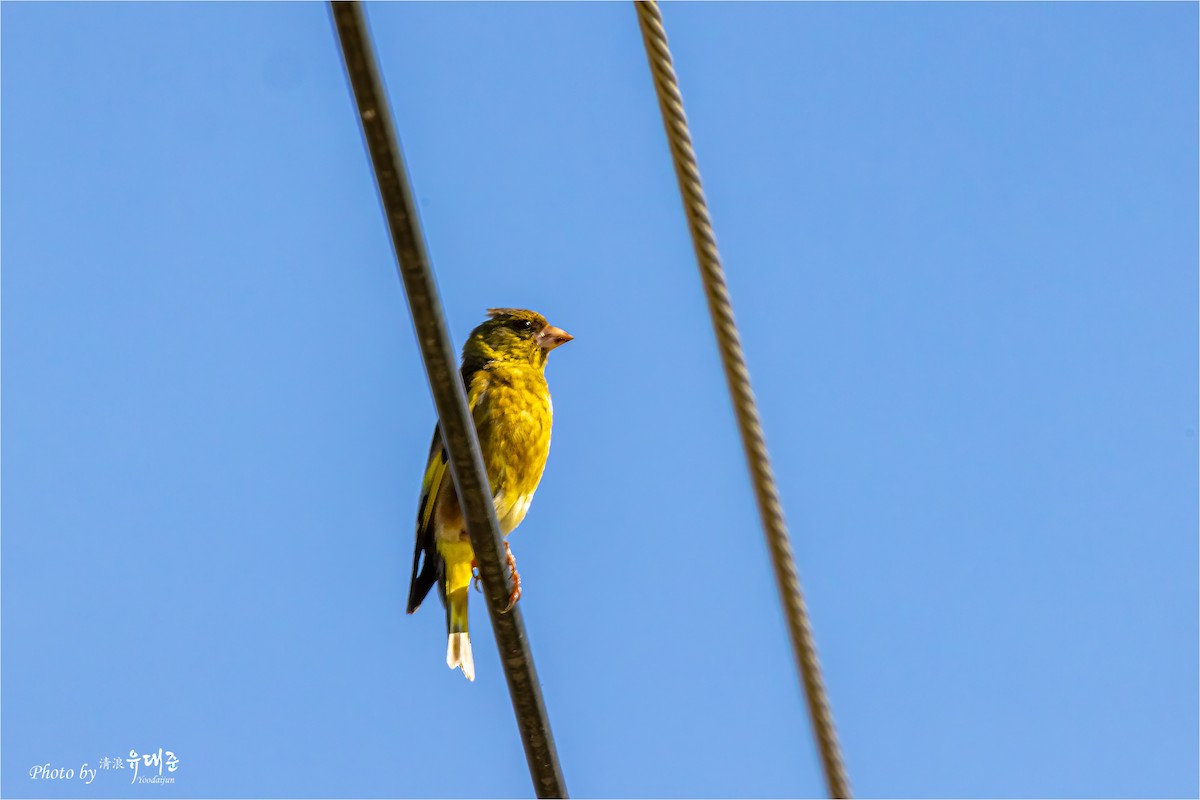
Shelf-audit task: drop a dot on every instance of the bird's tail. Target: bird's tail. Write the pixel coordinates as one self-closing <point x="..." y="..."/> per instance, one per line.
<point x="458" y="582"/>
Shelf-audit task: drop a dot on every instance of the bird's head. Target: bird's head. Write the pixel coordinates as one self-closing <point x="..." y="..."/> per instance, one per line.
<point x="514" y="335"/>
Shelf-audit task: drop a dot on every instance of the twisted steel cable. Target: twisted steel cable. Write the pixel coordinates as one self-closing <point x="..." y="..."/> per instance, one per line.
<point x="454" y="420"/>
<point x="670" y="103"/>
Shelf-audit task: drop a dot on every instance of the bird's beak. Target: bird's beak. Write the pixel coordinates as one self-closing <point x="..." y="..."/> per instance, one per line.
<point x="551" y="337"/>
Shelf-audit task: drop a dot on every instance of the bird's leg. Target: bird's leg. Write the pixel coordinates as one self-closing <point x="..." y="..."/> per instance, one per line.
<point x="516" y="577"/>
<point x="475" y="575"/>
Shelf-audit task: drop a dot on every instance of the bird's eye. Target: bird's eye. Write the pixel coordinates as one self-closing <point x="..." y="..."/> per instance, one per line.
<point x="525" y="325"/>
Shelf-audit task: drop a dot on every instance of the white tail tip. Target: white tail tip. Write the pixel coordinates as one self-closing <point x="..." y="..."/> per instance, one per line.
<point x="458" y="654"/>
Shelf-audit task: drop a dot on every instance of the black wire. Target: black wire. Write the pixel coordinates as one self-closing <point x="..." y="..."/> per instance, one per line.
<point x="458" y="432"/>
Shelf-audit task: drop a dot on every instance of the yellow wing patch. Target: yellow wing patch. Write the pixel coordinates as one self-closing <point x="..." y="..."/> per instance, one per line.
<point x="437" y="469"/>
<point x="431" y="484"/>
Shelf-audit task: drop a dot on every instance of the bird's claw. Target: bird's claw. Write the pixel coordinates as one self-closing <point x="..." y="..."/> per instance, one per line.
<point x="516" y="579"/>
<point x="475" y="577"/>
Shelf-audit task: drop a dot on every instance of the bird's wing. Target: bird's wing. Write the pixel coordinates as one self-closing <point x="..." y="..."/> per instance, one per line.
<point x="437" y="476"/>
<point x="424" y="576"/>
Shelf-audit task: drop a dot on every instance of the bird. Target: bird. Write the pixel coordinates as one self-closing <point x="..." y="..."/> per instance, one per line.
<point x="504" y="372"/>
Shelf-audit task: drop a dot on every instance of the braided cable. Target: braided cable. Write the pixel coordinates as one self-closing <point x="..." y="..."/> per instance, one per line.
<point x="720" y="308"/>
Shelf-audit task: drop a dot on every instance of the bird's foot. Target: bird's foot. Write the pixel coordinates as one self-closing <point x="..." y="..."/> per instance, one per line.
<point x="475" y="576"/>
<point x="516" y="578"/>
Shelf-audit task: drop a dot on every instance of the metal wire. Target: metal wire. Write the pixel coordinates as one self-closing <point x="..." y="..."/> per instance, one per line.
<point x="458" y="432"/>
<point x="670" y="102"/>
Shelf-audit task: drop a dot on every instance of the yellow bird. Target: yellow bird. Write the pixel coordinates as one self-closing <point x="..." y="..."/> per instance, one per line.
<point x="504" y="371"/>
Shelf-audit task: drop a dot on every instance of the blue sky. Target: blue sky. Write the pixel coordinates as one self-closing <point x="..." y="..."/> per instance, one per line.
<point x="962" y="245"/>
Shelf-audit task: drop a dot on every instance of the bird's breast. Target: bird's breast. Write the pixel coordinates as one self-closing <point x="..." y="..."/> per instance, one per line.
<point x="514" y="434"/>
